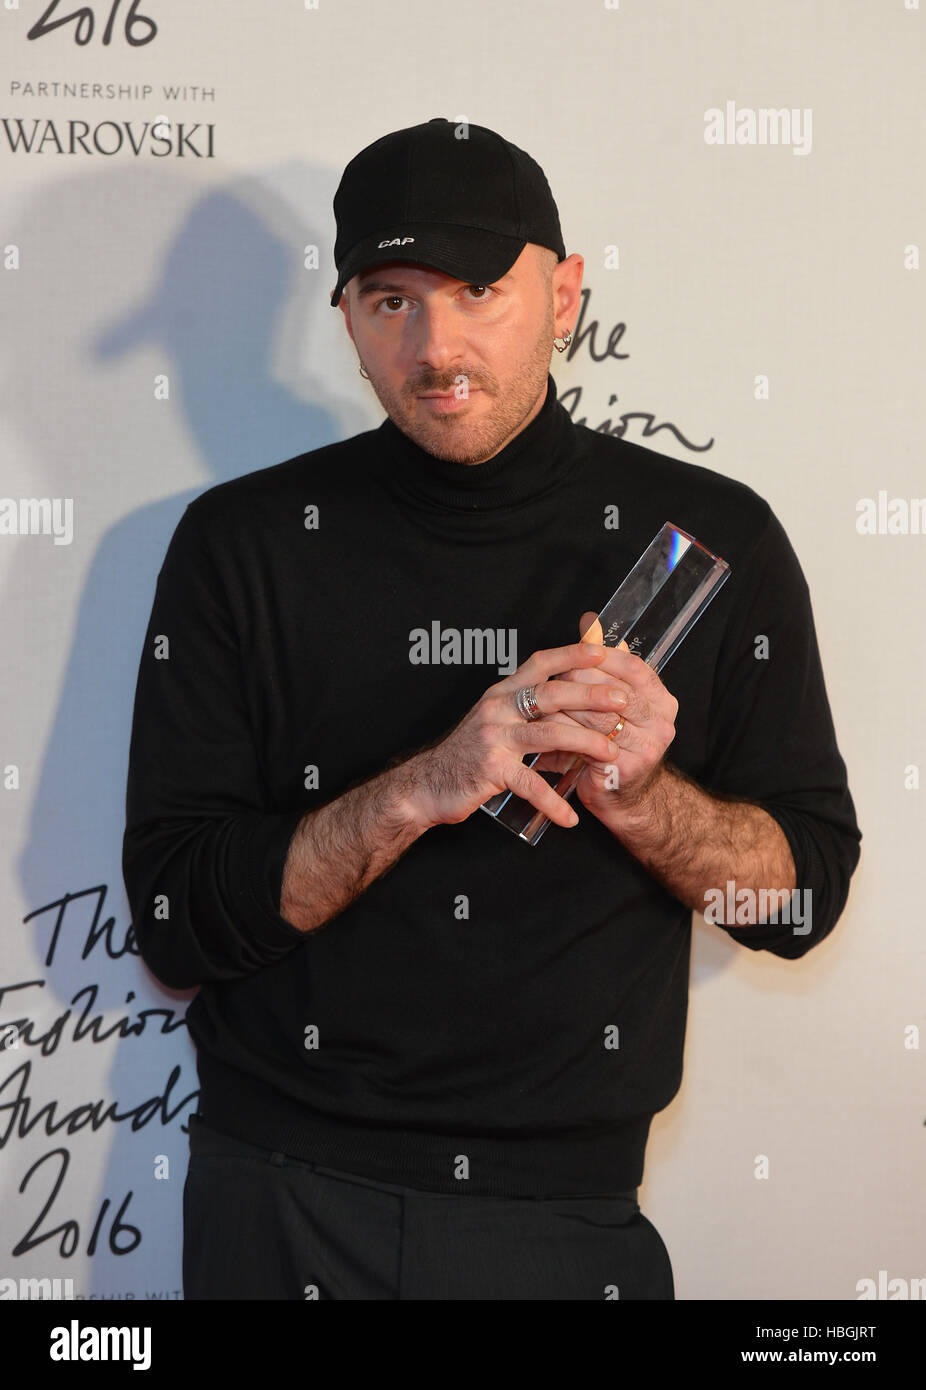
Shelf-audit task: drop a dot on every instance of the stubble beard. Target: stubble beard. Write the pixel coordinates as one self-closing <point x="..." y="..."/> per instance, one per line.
<point x="502" y="410"/>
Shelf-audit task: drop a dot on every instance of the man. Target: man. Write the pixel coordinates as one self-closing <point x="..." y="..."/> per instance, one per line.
<point x="429" y="1054"/>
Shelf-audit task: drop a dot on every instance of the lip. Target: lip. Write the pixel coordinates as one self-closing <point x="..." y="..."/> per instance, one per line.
<point x="446" y="402"/>
<point x="442" y="395"/>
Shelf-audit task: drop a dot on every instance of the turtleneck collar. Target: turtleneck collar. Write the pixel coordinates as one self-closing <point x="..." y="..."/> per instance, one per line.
<point x="535" y="461"/>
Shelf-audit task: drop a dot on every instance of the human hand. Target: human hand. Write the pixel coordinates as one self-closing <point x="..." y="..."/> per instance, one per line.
<point x="647" y="729"/>
<point x="482" y="755"/>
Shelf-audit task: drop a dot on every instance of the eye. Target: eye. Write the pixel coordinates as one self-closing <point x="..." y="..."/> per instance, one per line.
<point x="391" y="299"/>
<point x="483" y="295"/>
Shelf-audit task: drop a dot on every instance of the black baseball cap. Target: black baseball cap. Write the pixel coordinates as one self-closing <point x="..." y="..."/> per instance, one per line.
<point x="454" y="196"/>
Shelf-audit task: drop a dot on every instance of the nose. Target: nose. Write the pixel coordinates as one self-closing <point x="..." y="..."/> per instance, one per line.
<point x="438" y="339"/>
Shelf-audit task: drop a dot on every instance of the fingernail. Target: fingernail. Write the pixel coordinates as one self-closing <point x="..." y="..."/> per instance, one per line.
<point x="613" y="747"/>
<point x="618" y="697"/>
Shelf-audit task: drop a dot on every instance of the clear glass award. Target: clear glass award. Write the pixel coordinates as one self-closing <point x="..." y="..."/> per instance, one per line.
<point x="651" y="613"/>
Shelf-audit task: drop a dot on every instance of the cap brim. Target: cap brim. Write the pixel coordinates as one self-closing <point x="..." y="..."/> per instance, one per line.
<point x="466" y="253"/>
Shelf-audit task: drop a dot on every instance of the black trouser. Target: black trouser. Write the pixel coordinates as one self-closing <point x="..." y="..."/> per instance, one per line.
<point x="261" y="1225"/>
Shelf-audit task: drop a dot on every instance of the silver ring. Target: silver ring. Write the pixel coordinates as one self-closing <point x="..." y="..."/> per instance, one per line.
<point x="527" y="705"/>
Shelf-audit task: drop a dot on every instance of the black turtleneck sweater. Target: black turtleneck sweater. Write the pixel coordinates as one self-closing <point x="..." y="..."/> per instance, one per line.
<point x="443" y="1030"/>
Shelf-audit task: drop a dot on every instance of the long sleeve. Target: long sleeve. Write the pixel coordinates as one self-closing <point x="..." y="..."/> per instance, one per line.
<point x="203" y="854"/>
<point x="772" y="741"/>
<point x="288" y="596"/>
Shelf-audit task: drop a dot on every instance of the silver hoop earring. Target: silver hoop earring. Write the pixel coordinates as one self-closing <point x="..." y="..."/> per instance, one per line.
<point x="567" y="339"/>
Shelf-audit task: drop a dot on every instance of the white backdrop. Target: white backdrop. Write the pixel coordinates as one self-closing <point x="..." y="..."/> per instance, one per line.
<point x="163" y="328"/>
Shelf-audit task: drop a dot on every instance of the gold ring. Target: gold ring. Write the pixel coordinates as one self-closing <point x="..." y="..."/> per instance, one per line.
<point x="617" y="727"/>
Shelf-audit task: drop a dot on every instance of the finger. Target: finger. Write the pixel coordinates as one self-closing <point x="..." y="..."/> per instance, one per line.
<point x="649" y="700"/>
<point x="594" y="676"/>
<point x="605" y="723"/>
<point x="623" y="741"/>
<point x="645" y="744"/>
<point x="557" y="694"/>
<point x="591" y="630"/>
<point x="526" y="783"/>
<point x="540" y="665"/>
<point x="554" y="761"/>
<point x="602" y="723"/>
<point x="538" y="735"/>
